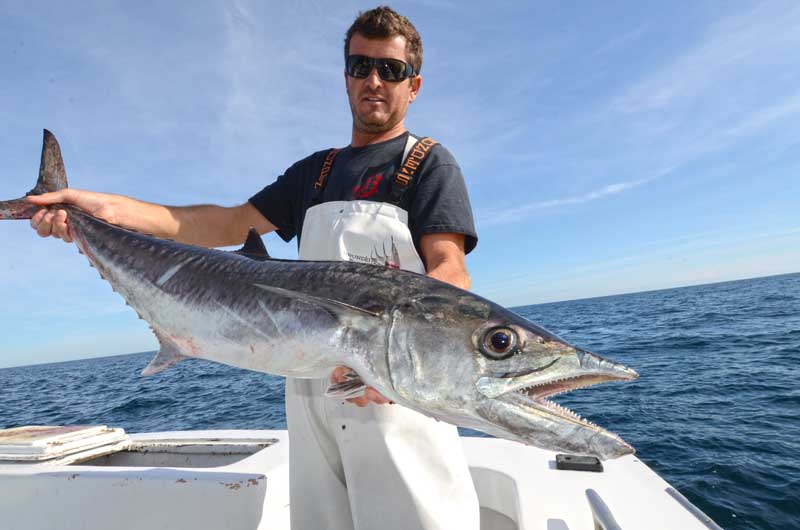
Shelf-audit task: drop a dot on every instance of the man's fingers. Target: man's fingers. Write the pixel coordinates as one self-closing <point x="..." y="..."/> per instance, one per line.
<point x="359" y="401"/>
<point x="343" y="373"/>
<point x="52" y="223"/>
<point x="60" y="227"/>
<point x="37" y="218"/>
<point x="370" y="396"/>
<point x="45" y="227"/>
<point x="52" y="197"/>
<point x="376" y="397"/>
<point x="340" y="373"/>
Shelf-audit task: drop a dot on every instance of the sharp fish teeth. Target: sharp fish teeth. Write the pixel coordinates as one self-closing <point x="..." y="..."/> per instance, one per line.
<point x="563" y="411"/>
<point x="575" y="383"/>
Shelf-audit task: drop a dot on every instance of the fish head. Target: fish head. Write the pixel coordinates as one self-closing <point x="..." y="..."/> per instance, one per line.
<point x="479" y="365"/>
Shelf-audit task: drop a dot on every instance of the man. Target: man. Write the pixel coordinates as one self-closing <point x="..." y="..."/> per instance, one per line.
<point x="384" y="199"/>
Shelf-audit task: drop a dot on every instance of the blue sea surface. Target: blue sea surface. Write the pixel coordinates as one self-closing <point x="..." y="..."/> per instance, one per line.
<point x="716" y="411"/>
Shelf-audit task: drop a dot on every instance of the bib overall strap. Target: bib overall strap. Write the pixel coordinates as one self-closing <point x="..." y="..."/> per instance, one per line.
<point x="326" y="168"/>
<point x="413" y="157"/>
<point x="319" y="184"/>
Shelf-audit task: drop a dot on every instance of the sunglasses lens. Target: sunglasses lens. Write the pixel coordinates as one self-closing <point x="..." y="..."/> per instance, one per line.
<point x="391" y="69"/>
<point x="360" y="66"/>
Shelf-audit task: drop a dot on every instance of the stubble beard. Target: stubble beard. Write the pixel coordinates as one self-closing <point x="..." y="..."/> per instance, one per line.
<point x="374" y="126"/>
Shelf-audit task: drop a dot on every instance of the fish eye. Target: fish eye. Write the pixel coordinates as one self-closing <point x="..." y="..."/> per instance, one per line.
<point x="499" y="343"/>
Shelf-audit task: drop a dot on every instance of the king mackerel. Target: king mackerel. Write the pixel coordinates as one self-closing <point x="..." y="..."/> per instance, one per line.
<point x="422" y="343"/>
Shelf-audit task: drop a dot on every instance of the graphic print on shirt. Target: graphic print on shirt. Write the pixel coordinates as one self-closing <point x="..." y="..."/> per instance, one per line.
<point x="388" y="257"/>
<point x="369" y="187"/>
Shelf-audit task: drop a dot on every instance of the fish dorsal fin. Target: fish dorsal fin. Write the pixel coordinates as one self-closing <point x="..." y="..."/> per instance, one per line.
<point x="169" y="355"/>
<point x="334" y="306"/>
<point x="52" y="175"/>
<point x="254" y="246"/>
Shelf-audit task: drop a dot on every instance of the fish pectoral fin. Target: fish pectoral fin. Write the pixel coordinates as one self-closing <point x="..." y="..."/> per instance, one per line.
<point x="168" y="356"/>
<point x="351" y="388"/>
<point x="332" y="305"/>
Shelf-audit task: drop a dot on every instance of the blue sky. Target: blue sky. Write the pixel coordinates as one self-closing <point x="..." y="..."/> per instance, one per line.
<point x="608" y="148"/>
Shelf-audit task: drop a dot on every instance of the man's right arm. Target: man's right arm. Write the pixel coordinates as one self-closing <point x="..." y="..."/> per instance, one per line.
<point x="204" y="225"/>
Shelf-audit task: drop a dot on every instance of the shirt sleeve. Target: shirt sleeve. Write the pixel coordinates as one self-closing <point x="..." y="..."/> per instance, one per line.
<point x="441" y="203"/>
<point x="277" y="202"/>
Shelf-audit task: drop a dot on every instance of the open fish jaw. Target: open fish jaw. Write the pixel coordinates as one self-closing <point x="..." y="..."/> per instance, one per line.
<point x="538" y="395"/>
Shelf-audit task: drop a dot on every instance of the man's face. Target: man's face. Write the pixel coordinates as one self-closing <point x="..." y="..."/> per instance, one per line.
<point x="377" y="105"/>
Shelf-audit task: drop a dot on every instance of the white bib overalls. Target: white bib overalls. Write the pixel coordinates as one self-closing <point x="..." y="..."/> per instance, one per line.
<point x="380" y="467"/>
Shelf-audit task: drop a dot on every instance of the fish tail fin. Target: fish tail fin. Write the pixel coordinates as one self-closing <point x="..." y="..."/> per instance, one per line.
<point x="52" y="177"/>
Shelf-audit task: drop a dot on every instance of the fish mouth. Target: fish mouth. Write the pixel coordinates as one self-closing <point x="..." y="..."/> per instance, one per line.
<point x="529" y="392"/>
<point x="537" y="396"/>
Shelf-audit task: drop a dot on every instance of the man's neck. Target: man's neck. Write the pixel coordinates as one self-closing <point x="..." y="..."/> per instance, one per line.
<point x="361" y="138"/>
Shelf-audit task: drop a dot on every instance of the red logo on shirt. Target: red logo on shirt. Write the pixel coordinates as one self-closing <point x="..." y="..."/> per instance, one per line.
<point x="368" y="188"/>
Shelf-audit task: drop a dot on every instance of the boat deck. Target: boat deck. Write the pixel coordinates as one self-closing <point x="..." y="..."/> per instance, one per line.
<point x="239" y="480"/>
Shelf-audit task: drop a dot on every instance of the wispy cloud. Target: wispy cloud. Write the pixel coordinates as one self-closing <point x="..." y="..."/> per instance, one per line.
<point x="718" y="90"/>
<point x="689" y="259"/>
<point x="521" y="212"/>
<point x="280" y="101"/>
<point x="620" y="41"/>
<point x="709" y="98"/>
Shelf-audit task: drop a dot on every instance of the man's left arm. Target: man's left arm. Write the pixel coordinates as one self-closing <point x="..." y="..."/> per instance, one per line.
<point x="443" y="255"/>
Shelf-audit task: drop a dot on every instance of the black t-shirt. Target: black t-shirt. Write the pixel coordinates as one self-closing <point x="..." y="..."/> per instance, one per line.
<point x="436" y="200"/>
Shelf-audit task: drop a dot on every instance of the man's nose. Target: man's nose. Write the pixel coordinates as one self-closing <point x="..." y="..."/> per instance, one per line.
<point x="373" y="78"/>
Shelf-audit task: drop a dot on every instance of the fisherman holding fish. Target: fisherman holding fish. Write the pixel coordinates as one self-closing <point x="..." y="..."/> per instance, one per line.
<point x="388" y="198"/>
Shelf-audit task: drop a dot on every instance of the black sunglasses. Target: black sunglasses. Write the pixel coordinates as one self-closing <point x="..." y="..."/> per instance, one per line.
<point x="394" y="70"/>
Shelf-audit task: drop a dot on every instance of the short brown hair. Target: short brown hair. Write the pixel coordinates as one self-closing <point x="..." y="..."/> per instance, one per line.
<point x="384" y="23"/>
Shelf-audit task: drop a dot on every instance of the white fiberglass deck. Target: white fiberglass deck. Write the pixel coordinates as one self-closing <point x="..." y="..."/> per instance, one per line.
<point x="239" y="480"/>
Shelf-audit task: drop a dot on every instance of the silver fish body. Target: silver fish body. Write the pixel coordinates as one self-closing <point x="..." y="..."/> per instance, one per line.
<point x="422" y="343"/>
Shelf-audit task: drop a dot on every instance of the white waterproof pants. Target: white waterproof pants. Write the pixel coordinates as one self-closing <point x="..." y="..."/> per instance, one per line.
<point x="381" y="467"/>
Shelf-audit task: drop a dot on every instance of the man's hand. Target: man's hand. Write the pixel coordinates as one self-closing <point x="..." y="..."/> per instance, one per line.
<point x="54" y="223"/>
<point x="371" y="395"/>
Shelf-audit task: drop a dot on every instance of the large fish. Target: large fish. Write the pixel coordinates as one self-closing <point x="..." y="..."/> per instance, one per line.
<point x="422" y="343"/>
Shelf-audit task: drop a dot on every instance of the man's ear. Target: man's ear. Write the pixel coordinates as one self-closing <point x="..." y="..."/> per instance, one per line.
<point x="416" y="84"/>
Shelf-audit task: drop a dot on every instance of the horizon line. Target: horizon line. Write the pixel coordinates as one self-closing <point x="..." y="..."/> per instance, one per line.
<point x="510" y="308"/>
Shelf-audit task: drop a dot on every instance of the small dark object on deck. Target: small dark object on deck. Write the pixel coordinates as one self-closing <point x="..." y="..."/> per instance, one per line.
<point x="578" y="463"/>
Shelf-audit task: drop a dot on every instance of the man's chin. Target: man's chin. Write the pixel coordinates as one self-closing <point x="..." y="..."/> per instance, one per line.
<point x="374" y="128"/>
<point x="375" y="124"/>
<point x="371" y="120"/>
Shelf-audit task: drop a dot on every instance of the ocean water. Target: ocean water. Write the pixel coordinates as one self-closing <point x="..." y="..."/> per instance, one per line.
<point x="716" y="411"/>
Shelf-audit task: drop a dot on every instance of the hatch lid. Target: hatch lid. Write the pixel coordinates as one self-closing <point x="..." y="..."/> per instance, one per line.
<point x="44" y="442"/>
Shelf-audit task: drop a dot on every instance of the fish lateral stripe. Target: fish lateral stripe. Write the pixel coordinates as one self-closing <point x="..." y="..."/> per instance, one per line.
<point x="335" y="305"/>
